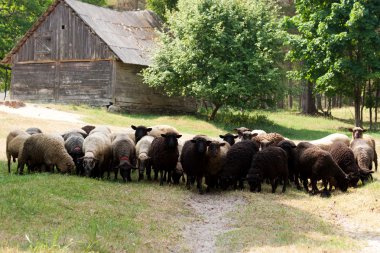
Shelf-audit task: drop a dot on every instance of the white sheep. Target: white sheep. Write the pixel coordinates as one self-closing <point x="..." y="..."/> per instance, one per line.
<point x="142" y="149"/>
<point x="326" y="142"/>
<point x="97" y="154"/>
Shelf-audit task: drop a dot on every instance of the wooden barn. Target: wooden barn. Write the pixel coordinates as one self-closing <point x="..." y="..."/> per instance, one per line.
<point x="84" y="54"/>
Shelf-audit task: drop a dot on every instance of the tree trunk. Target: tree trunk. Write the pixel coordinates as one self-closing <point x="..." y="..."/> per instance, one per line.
<point x="308" y="102"/>
<point x="376" y="103"/>
<point x="290" y="96"/>
<point x="319" y="102"/>
<point x="214" y="111"/>
<point x="357" y="103"/>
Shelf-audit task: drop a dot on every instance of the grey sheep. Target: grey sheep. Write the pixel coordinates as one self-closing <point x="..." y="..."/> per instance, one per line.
<point x="270" y="163"/>
<point x="238" y="161"/>
<point x="123" y="156"/>
<point x="364" y="153"/>
<point x="33" y="130"/>
<point x="315" y="163"/>
<point x="164" y="155"/>
<point x="194" y="160"/>
<point x="142" y="150"/>
<point x="74" y="132"/>
<point x="97" y="154"/>
<point x="357" y="133"/>
<point x="14" y="143"/>
<point x="216" y="158"/>
<point x="74" y="146"/>
<point x="45" y="150"/>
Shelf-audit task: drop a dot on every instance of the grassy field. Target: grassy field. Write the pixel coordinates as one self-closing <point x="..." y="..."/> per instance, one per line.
<point x="60" y="213"/>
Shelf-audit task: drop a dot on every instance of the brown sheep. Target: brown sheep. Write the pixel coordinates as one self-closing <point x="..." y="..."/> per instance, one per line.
<point x="357" y="133"/>
<point x="15" y="142"/>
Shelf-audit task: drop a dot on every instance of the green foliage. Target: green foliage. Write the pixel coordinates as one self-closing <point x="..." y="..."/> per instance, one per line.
<point x="225" y="52"/>
<point x="337" y="42"/>
<point x="162" y="7"/>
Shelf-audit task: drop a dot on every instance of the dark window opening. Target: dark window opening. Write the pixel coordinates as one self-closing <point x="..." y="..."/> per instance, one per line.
<point x="63" y="27"/>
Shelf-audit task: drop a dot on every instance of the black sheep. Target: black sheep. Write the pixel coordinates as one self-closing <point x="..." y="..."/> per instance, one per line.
<point x="270" y="163"/>
<point x="229" y="138"/>
<point x="238" y="162"/>
<point x="194" y="160"/>
<point x="164" y="154"/>
<point x="290" y="149"/>
<point x="316" y="163"/>
<point x="33" y="130"/>
<point x="140" y="131"/>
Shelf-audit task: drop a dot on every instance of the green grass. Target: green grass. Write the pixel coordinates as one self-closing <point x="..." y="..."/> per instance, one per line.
<point x="54" y="211"/>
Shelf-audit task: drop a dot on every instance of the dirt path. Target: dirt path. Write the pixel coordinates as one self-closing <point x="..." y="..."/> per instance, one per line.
<point x="211" y="210"/>
<point x="358" y="231"/>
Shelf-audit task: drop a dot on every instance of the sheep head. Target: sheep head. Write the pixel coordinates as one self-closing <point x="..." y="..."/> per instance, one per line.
<point x="140" y="131"/>
<point x="241" y="130"/>
<point x="357" y="132"/>
<point x="201" y="144"/>
<point x="230" y="138"/>
<point x="89" y="164"/>
<point x="171" y="139"/>
<point x="214" y="148"/>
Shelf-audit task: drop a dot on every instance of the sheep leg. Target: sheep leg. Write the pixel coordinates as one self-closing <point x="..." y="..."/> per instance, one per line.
<point x="325" y="193"/>
<point x="155" y="174"/>
<point x="286" y="179"/>
<point x="375" y="159"/>
<point x="169" y="179"/>
<point x="161" y="177"/>
<point x="188" y="182"/>
<point x="241" y="184"/>
<point x="9" y="165"/>
<point x="274" y="183"/>
<point x="314" y="187"/>
<point x="305" y="186"/>
<point x="199" y="185"/>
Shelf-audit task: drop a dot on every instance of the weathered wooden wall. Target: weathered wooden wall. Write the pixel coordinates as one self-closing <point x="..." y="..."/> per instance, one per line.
<point x="133" y="95"/>
<point x="63" y="82"/>
<point x="62" y="36"/>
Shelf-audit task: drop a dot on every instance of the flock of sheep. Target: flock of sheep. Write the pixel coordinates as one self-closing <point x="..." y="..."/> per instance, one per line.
<point x="251" y="155"/>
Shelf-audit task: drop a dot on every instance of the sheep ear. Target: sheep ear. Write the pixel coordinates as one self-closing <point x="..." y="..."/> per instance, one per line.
<point x="364" y="130"/>
<point x="222" y="136"/>
<point x="179" y="136"/>
<point x="222" y="144"/>
<point x="236" y="136"/>
<point x="255" y="134"/>
<point x="149" y="129"/>
<point x="163" y="135"/>
<point x="350" y="129"/>
<point x="133" y="127"/>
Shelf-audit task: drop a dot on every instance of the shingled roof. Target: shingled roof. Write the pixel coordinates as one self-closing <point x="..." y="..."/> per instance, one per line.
<point x="129" y="34"/>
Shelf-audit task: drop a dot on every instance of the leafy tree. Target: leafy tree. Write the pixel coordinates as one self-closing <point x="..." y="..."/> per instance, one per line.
<point x="161" y="7"/>
<point x="338" y="43"/>
<point x="96" y="2"/>
<point x="222" y="51"/>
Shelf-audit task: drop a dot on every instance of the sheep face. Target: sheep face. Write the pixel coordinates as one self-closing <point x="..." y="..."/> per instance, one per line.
<point x="241" y="130"/>
<point x="214" y="148"/>
<point x="357" y="132"/>
<point x="89" y="164"/>
<point x="140" y="131"/>
<point x="200" y="145"/>
<point x="171" y="140"/>
<point x="343" y="184"/>
<point x="254" y="184"/>
<point x="66" y="167"/>
<point x="125" y="168"/>
<point x="229" y="138"/>
<point x="247" y="135"/>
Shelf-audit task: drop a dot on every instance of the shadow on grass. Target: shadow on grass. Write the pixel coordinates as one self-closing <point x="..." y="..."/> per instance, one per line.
<point x="228" y="120"/>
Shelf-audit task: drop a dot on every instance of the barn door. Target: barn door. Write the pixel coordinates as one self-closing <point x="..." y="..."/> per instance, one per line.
<point x="42" y="46"/>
